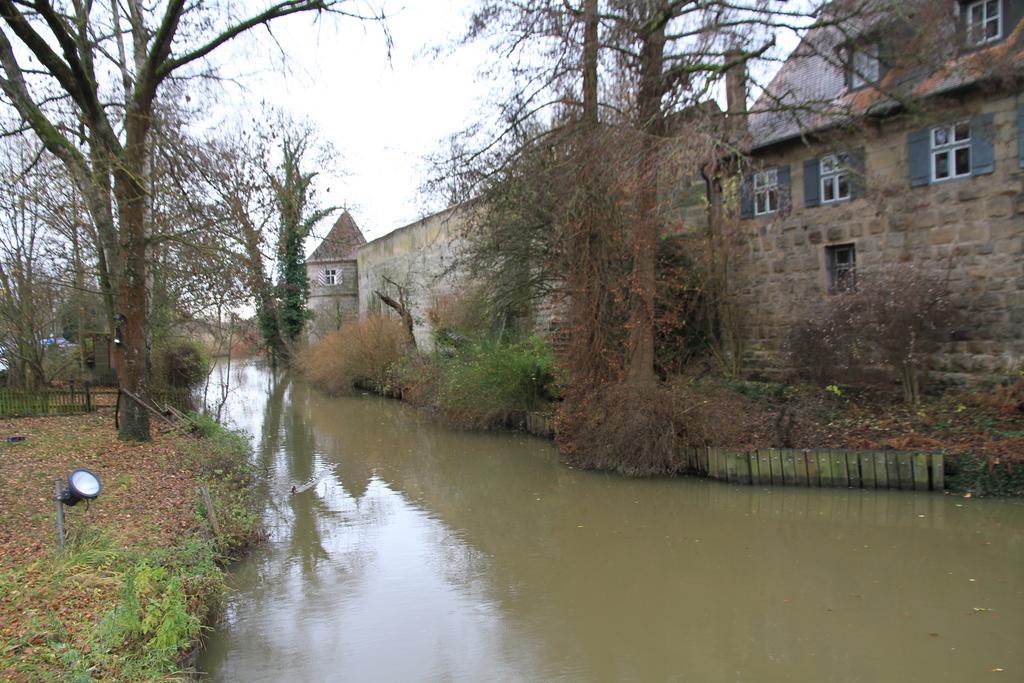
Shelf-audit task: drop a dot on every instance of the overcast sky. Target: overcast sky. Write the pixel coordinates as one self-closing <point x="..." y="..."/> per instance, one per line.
<point x="382" y="117"/>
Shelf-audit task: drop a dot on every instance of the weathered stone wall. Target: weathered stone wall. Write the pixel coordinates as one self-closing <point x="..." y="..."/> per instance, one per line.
<point x="332" y="305"/>
<point x="970" y="228"/>
<point x="421" y="258"/>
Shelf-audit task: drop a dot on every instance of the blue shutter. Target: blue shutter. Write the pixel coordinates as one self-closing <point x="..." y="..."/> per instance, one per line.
<point x="982" y="154"/>
<point x="812" y="183"/>
<point x="1013" y="12"/>
<point x="785" y="198"/>
<point x="747" y="197"/>
<point x="918" y="149"/>
<point x="858" y="173"/>
<point x="1020" y="135"/>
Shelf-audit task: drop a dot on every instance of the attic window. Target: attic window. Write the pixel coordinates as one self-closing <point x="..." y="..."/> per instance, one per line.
<point x="984" y="21"/>
<point x="865" y="68"/>
<point x="329" y="277"/>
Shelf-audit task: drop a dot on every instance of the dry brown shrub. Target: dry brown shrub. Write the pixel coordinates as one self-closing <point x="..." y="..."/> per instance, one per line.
<point x="1007" y="397"/>
<point x="641" y="429"/>
<point x="364" y="353"/>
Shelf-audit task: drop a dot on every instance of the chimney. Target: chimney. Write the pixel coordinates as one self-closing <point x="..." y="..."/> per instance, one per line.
<point x="736" y="94"/>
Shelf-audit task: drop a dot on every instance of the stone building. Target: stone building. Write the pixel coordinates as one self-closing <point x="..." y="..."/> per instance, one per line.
<point x="333" y="275"/>
<point x="417" y="262"/>
<point x="878" y="162"/>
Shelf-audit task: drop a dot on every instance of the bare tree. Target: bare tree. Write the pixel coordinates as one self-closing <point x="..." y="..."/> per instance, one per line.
<point x="101" y="131"/>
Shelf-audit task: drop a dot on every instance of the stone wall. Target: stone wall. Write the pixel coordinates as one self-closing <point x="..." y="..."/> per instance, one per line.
<point x="420" y="258"/>
<point x="332" y="305"/>
<point x="969" y="229"/>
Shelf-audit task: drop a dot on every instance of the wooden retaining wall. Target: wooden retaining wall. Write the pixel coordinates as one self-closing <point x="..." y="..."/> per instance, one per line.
<point x="820" y="468"/>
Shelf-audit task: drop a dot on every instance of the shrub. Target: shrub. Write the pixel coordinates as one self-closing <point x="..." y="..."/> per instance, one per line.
<point x="981" y="477"/>
<point x="179" y="364"/>
<point x="488" y="381"/>
<point x="894" y="321"/>
<point x="640" y="429"/>
<point x="363" y="353"/>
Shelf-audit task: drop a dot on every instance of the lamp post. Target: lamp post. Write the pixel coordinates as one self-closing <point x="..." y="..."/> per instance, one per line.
<point x="83" y="484"/>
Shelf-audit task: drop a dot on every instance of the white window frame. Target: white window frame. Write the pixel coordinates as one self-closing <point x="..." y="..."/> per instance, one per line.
<point x="330" y="277"/>
<point x="986" y="19"/>
<point x="766" y="188"/>
<point x="949" y="148"/>
<point x="834" y="173"/>
<point x="865" y="69"/>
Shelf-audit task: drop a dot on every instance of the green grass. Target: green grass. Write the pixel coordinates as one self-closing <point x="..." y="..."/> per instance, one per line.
<point x="104" y="610"/>
<point x="488" y="380"/>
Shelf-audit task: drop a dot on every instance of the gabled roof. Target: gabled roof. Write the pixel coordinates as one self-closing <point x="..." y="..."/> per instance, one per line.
<point x="810" y="93"/>
<point x="341" y="243"/>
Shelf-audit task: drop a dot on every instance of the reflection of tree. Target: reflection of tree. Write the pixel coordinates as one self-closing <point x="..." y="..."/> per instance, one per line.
<point x="297" y="453"/>
<point x="632" y="579"/>
<point x="610" y="578"/>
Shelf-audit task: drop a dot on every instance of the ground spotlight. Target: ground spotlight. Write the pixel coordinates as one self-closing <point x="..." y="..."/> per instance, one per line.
<point x="83" y="484"/>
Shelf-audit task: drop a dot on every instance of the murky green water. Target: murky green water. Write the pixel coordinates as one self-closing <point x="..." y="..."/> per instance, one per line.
<point x="426" y="554"/>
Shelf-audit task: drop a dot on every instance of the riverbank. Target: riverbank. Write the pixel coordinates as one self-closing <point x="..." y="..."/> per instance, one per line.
<point x="128" y="598"/>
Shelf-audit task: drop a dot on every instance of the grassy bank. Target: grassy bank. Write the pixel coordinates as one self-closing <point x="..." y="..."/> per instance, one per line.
<point x="478" y="381"/>
<point x="475" y="381"/>
<point x="128" y="598"/>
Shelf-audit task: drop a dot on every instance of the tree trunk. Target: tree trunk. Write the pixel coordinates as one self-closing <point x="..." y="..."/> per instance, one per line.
<point x="403" y="312"/>
<point x="640" y="365"/>
<point x="590" y="46"/>
<point x="132" y="299"/>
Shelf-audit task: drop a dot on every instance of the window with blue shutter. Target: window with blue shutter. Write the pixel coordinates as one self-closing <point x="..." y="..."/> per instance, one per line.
<point x="952" y="150"/>
<point x="834" y="178"/>
<point x="765" y="192"/>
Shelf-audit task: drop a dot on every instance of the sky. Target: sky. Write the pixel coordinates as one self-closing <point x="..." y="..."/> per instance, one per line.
<point x="382" y="116"/>
<point x="382" y="113"/>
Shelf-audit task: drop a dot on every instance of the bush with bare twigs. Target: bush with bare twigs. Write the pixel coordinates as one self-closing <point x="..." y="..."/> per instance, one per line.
<point x="892" y="322"/>
<point x="363" y="353"/>
<point x="641" y="429"/>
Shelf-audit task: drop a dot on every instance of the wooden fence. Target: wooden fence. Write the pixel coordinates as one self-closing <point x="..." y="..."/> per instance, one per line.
<point x="820" y="468"/>
<point x="23" y="402"/>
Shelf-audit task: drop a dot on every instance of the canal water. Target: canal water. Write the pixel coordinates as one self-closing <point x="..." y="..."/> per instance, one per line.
<point x="421" y="553"/>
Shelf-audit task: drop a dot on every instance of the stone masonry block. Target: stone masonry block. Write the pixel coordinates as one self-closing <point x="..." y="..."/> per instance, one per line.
<point x="942" y="235"/>
<point x="972" y="232"/>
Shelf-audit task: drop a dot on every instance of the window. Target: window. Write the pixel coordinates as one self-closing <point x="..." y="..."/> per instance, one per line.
<point x="835" y="177"/>
<point x="329" y="277"/>
<point x="984" y="22"/>
<point x="951" y="151"/>
<point x="864" y="66"/>
<point x="766" y="191"/>
<point x="841" y="264"/>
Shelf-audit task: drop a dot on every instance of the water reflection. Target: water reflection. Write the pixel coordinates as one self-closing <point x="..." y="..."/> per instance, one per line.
<point x="430" y="554"/>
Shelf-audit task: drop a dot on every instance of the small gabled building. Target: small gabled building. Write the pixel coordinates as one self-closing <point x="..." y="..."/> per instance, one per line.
<point x="334" y="276"/>
<point x="901" y="142"/>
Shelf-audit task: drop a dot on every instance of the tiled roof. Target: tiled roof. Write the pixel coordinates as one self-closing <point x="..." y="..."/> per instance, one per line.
<point x="341" y="243"/>
<point x="809" y="93"/>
